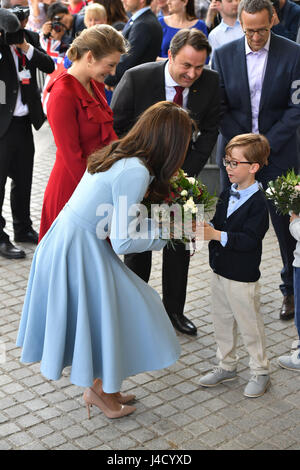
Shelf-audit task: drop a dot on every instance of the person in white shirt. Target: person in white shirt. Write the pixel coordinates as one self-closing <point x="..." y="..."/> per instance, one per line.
<point x="230" y="28"/>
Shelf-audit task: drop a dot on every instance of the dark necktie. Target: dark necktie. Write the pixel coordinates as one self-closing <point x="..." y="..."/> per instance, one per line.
<point x="127" y="27"/>
<point x="234" y="193"/>
<point x="178" y="99"/>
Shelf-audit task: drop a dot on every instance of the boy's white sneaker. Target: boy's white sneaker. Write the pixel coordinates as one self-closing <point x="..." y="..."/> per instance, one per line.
<point x="257" y="386"/>
<point x="216" y="377"/>
<point x="291" y="362"/>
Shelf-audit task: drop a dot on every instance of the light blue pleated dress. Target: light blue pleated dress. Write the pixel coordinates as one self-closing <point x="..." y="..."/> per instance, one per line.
<point x="83" y="307"/>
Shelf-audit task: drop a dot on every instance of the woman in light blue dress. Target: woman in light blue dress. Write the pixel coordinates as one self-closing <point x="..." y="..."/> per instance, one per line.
<point x="83" y="307"/>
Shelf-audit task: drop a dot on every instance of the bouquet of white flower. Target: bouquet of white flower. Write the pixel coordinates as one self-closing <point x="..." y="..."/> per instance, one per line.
<point x="285" y="193"/>
<point x="188" y="199"/>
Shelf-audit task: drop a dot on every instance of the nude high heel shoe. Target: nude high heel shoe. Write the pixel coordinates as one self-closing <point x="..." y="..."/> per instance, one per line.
<point x="123" y="399"/>
<point x="91" y="398"/>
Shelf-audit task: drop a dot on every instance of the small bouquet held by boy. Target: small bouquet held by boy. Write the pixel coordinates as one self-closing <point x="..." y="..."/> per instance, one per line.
<point x="180" y="212"/>
<point x="285" y="193"/>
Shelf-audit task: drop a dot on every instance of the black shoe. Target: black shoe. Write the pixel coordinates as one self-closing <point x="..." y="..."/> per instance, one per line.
<point x="183" y="324"/>
<point x="287" y="311"/>
<point x="8" y="250"/>
<point x="28" y="237"/>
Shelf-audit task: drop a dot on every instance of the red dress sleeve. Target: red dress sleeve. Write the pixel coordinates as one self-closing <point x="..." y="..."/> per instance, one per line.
<point x="63" y="119"/>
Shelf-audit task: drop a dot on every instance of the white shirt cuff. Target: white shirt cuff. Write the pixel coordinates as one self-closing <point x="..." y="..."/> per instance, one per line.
<point x="30" y="52"/>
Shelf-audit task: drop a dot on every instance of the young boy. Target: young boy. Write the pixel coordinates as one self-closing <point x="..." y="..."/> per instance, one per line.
<point x="236" y="233"/>
<point x="292" y="362"/>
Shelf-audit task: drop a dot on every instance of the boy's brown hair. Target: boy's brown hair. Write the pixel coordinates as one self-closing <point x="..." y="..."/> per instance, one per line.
<point x="256" y="148"/>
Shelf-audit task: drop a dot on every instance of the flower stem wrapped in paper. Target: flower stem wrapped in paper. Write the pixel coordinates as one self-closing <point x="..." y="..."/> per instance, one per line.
<point x="179" y="213"/>
<point x="285" y="193"/>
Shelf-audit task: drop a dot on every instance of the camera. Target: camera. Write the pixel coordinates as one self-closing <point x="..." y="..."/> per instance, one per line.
<point x="22" y="13"/>
<point x="57" y="25"/>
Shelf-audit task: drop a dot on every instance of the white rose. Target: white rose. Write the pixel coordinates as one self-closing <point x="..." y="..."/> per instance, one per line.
<point x="184" y="192"/>
<point x="191" y="180"/>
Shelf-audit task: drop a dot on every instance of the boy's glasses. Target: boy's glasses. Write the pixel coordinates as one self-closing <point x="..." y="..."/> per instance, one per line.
<point x="234" y="163"/>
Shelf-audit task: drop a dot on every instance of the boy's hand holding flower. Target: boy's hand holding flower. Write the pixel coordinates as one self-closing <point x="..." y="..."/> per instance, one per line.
<point x="294" y="216"/>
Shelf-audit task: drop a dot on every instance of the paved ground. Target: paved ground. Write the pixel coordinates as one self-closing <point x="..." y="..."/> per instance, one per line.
<point x="173" y="412"/>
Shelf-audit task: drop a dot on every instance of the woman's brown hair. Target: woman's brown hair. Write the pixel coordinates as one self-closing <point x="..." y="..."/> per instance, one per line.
<point x="160" y="138"/>
<point x="190" y="10"/>
<point x="100" y="39"/>
<point x="115" y="11"/>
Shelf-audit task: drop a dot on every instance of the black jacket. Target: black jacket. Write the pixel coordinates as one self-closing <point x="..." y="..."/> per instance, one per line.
<point x="144" y="37"/>
<point x="144" y="85"/>
<point x="9" y="82"/>
<point x="246" y="227"/>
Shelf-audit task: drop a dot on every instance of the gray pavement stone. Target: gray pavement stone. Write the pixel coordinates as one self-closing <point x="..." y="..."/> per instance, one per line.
<point x="173" y="412"/>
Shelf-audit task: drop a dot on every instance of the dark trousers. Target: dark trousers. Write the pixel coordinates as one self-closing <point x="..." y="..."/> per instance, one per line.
<point x="287" y="243"/>
<point x="174" y="274"/>
<point x="16" y="162"/>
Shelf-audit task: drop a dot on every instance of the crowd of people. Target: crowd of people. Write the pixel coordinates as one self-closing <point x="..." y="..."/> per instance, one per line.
<point x="120" y="76"/>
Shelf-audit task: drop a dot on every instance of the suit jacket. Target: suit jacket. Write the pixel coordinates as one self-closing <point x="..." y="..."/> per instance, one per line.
<point x="144" y="85"/>
<point x="279" y="112"/>
<point x="10" y="82"/>
<point x="246" y="227"/>
<point x="289" y="17"/>
<point x="144" y="37"/>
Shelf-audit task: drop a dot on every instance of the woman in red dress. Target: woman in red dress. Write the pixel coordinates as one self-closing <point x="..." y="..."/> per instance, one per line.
<point x="78" y="113"/>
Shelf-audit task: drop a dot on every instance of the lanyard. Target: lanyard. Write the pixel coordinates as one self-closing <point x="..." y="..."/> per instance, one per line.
<point x="21" y="56"/>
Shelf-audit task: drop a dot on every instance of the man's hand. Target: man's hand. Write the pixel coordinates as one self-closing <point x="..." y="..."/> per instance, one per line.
<point x="24" y="46"/>
<point x="46" y="28"/>
<point x="212" y="11"/>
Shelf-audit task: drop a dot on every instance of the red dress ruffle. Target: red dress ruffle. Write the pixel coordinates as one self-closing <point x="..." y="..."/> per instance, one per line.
<point x="80" y="124"/>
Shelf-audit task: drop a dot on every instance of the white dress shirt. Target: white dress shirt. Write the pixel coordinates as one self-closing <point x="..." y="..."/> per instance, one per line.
<point x="256" y="67"/>
<point x="21" y="109"/>
<point x="170" y="90"/>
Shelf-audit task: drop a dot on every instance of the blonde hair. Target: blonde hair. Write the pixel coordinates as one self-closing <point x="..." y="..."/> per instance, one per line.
<point x="256" y="148"/>
<point x="100" y="39"/>
<point x="96" y="11"/>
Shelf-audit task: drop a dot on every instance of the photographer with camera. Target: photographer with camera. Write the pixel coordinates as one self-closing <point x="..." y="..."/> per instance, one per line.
<point x="288" y="14"/>
<point x="51" y="38"/>
<point x="20" y="56"/>
<point x="62" y="24"/>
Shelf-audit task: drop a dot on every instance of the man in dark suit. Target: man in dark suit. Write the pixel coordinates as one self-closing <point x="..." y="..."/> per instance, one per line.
<point x="197" y="89"/>
<point x="20" y="108"/>
<point x="144" y="34"/>
<point x="259" y="77"/>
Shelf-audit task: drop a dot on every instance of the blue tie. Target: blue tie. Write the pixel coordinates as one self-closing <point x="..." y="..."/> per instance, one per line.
<point x="234" y="193"/>
<point x="127" y="26"/>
